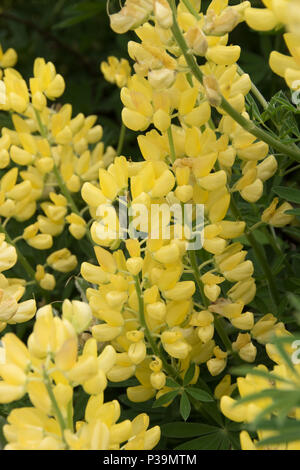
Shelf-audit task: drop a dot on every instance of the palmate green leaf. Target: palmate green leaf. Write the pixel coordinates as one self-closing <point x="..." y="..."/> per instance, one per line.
<point x="289" y="194"/>
<point x="199" y="394"/>
<point x="171" y="383"/>
<point x="166" y="398"/>
<point x="180" y="430"/>
<point x="214" y="441"/>
<point x="185" y="406"/>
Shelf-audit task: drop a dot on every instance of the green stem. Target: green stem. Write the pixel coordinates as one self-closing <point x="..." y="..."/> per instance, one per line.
<point x="255" y="226"/>
<point x="248" y="125"/>
<point x="65" y="190"/>
<point x="168" y="368"/>
<point x="30" y="271"/>
<point x="291" y="170"/>
<point x="191" y="9"/>
<point x="194" y="264"/>
<point x="121" y="140"/>
<point x="218" y="322"/>
<point x="260" y="256"/>
<point x="255" y="91"/>
<point x="55" y="406"/>
<point x="171" y="144"/>
<point x="220" y="328"/>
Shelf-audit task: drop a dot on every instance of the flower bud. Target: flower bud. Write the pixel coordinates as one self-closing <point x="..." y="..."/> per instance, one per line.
<point x="41" y="241"/>
<point x="137" y="352"/>
<point x="161" y="79"/>
<point x="232" y="411"/>
<point x="182" y="291"/>
<point x="157" y="311"/>
<point x="216" y="366"/>
<point x="253" y="192"/>
<point x="244" y="321"/>
<point x="134" y="265"/>
<point x="280" y="218"/>
<point x="241" y="272"/>
<point x="62" y="260"/>
<point x="163" y="14"/>
<point x="222" y="24"/>
<point x="213" y="181"/>
<point x="212" y="90"/>
<point x="140" y="393"/>
<point x="104" y="332"/>
<point x="79" y="314"/>
<point x="158" y="380"/>
<point x="267" y="168"/>
<point x="223" y="55"/>
<point x="231" y="229"/>
<point x="205" y="333"/>
<point x="243" y="291"/>
<point x="260" y="19"/>
<point x="196" y="41"/>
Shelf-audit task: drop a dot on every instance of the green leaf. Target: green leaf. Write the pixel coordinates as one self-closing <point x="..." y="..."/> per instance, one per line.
<point x="172" y="383"/>
<point x="279" y="342"/>
<point x="259" y="373"/>
<point x="199" y="394"/>
<point x="294" y="300"/>
<point x="189" y="374"/>
<point x="208" y="442"/>
<point x="185" y="406"/>
<point x="179" y="429"/>
<point x="166" y="398"/>
<point x="289" y="194"/>
<point x="281" y="438"/>
<point x="293" y="212"/>
<point x="2" y="438"/>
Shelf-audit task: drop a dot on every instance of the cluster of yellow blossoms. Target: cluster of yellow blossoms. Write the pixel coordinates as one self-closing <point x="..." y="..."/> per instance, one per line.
<point x="12" y="290"/>
<point x="280" y="13"/>
<point x="283" y="378"/>
<point x="153" y="306"/>
<point x="46" y="149"/>
<point x="48" y="369"/>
